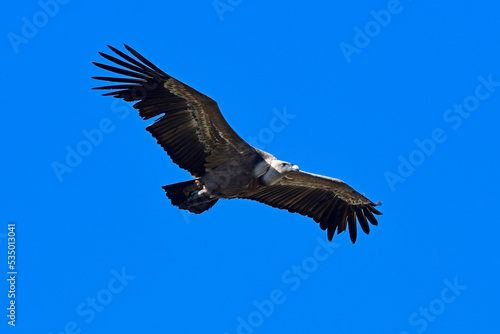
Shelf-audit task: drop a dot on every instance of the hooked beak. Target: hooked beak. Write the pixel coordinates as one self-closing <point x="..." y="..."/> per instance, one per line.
<point x="295" y="168"/>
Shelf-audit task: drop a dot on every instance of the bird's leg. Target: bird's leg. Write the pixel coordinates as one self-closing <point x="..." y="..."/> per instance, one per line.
<point x="198" y="197"/>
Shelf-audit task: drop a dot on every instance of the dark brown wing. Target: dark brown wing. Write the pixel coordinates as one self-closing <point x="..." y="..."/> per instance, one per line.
<point x="330" y="202"/>
<point x="191" y="125"/>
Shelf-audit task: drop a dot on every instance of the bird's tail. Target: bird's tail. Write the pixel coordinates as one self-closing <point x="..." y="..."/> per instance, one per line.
<point x="185" y="196"/>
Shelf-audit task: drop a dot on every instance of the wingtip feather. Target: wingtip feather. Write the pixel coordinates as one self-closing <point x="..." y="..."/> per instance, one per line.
<point x="351" y="221"/>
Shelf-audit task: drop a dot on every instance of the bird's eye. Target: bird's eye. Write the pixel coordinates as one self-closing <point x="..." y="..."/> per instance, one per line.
<point x="283" y="165"/>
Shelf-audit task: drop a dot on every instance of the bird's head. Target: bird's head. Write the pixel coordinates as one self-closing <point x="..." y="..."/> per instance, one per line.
<point x="277" y="170"/>
<point x="284" y="167"/>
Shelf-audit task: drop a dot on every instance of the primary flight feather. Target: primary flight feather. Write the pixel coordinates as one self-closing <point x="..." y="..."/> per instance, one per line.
<point x="193" y="132"/>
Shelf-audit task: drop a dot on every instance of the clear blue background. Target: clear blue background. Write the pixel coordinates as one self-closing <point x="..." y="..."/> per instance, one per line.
<point x="353" y="120"/>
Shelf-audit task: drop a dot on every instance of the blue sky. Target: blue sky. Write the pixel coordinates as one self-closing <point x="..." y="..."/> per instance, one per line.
<point x="399" y="99"/>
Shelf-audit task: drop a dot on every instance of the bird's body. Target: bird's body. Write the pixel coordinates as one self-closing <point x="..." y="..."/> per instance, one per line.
<point x="192" y="130"/>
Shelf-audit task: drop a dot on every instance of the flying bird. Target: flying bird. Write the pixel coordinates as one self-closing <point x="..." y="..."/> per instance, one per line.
<point x="191" y="129"/>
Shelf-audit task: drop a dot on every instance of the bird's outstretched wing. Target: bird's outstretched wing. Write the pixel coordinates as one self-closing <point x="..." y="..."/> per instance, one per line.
<point x="190" y="126"/>
<point x="330" y="202"/>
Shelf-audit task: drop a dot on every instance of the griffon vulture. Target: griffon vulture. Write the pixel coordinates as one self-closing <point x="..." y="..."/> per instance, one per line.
<point x="193" y="132"/>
